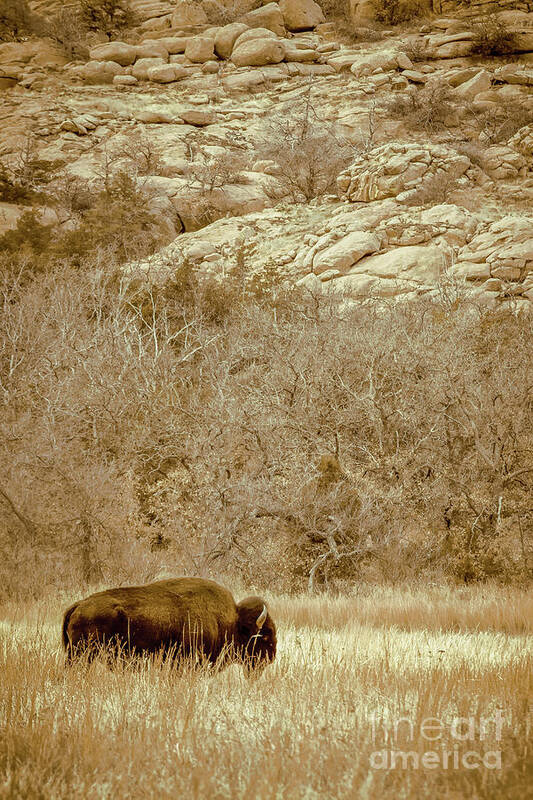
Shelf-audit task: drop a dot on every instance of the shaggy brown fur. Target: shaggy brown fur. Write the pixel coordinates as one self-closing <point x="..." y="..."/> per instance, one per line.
<point x="181" y="617"/>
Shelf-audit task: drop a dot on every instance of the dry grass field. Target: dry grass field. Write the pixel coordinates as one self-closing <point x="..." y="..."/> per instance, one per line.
<point x="365" y="689"/>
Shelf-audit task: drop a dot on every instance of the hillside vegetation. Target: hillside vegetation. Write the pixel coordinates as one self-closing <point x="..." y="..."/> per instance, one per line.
<point x="239" y="427"/>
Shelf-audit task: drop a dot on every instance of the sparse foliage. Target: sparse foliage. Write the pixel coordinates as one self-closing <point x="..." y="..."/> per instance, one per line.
<point x="435" y="189"/>
<point x="398" y="12"/>
<point x="428" y="108"/>
<point x="69" y="27"/>
<point x="416" y="50"/>
<point x="500" y="124"/>
<point x="142" y="153"/>
<point x="308" y="152"/>
<point x="196" y="419"/>
<point x="492" y="36"/>
<point x="107" y="16"/>
<point x="224" y="12"/>
<point x="24" y="176"/>
<point x="216" y="162"/>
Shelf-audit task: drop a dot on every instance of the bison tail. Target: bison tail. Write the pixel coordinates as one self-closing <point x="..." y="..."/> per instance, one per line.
<point x="66" y="620"/>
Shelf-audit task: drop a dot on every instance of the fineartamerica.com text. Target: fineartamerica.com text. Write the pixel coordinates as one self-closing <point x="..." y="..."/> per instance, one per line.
<point x="458" y="744"/>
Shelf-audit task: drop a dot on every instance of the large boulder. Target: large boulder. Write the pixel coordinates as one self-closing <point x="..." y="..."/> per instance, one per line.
<point x="124" y="80"/>
<point x="402" y="270"/>
<point x="523" y="42"/>
<point x="200" y="49"/>
<point x="522" y="141"/>
<point x="301" y="15"/>
<point x="152" y="48"/>
<point x="502" y="162"/>
<point x="141" y="68"/>
<point x="174" y="44"/>
<point x="342" y="60"/>
<point x="368" y="63"/>
<point x="254" y="33"/>
<point x="454" y="50"/>
<point x="156" y="24"/>
<point x="199" y="117"/>
<point x="502" y="249"/>
<point x="480" y="82"/>
<point x="422" y="264"/>
<point x="268" y="16"/>
<point x="400" y="170"/>
<point x="348" y="251"/>
<point x="248" y="80"/>
<point x="167" y="73"/>
<point x="362" y="12"/>
<point x="99" y="71"/>
<point x="258" y="53"/>
<point x="150" y="10"/>
<point x="37" y="52"/>
<point x="16" y="52"/>
<point x="196" y="207"/>
<point x="119" y="52"/>
<point x="226" y="38"/>
<point x="515" y="74"/>
<point x="299" y="54"/>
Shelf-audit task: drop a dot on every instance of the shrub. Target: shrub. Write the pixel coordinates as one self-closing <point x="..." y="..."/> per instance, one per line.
<point x="274" y="439"/>
<point x="144" y="156"/>
<point x="492" y="36"/>
<point x="107" y="16"/>
<point x="416" y="50"/>
<point x="226" y="11"/>
<point x="30" y="237"/>
<point x="428" y="108"/>
<point x="500" y="124"/>
<point x="10" y="190"/>
<point x="68" y="27"/>
<point x="435" y="190"/>
<point x="24" y="176"/>
<point x="397" y="12"/>
<point x="119" y="222"/>
<point x="309" y="155"/>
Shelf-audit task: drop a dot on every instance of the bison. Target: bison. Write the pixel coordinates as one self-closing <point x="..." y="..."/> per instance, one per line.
<point x="180" y="617"/>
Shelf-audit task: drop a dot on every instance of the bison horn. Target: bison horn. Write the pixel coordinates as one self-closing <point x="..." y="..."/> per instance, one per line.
<point x="261" y="619"/>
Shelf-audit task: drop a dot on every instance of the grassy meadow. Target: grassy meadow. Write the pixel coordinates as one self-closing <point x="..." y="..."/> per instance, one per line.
<point x="384" y="674"/>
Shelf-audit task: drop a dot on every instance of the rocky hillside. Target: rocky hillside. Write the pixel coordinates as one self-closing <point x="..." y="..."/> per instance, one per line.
<point x="359" y="158"/>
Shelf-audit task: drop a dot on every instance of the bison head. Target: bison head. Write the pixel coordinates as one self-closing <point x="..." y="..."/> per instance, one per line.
<point x="256" y="634"/>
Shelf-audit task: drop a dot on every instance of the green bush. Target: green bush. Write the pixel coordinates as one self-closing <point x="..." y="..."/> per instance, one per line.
<point x="24" y="176"/>
<point x="118" y="222"/>
<point x="10" y="191"/>
<point x="31" y="238"/>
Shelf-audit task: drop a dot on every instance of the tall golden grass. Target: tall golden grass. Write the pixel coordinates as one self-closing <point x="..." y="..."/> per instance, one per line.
<point x="349" y="671"/>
